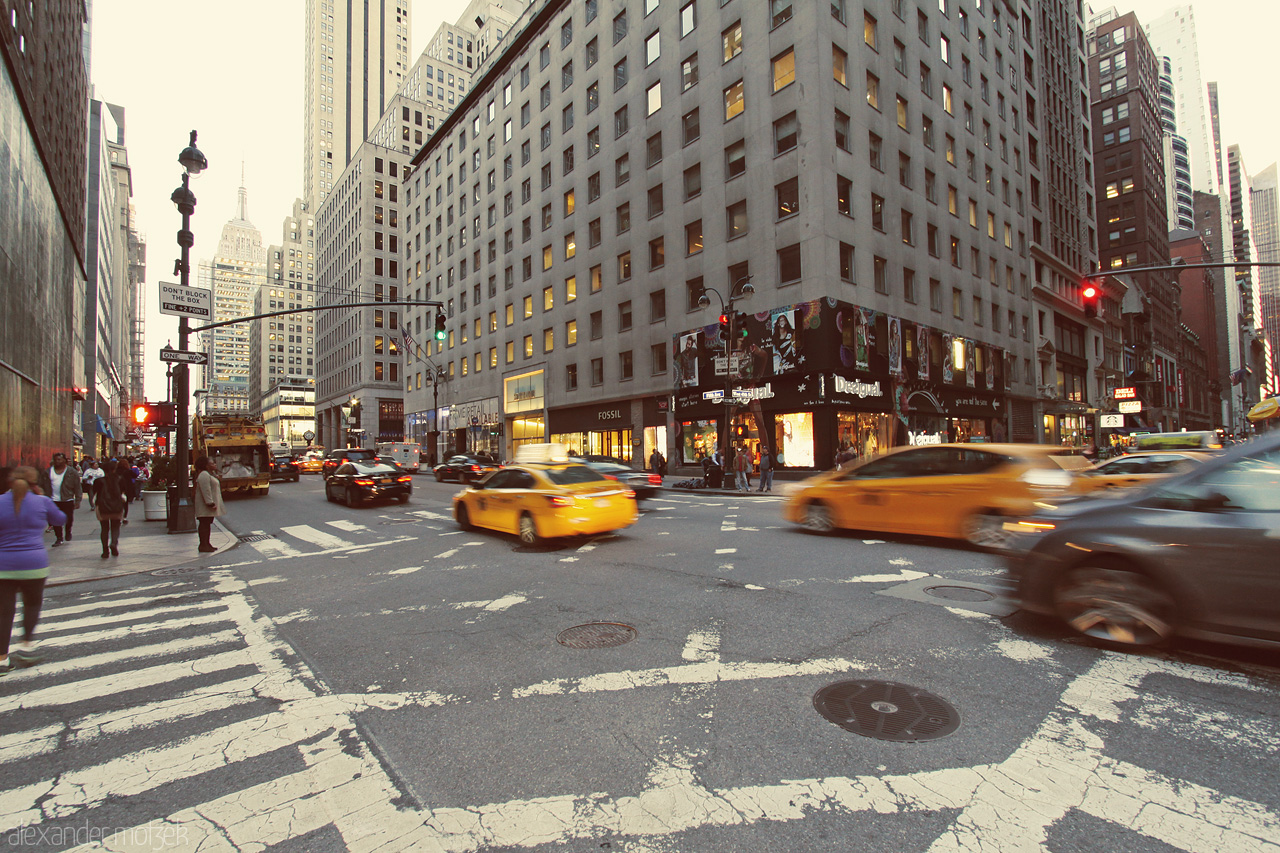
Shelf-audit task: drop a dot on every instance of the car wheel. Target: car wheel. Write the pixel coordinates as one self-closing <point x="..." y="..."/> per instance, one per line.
<point x="817" y="518"/>
<point x="1116" y="606"/>
<point x="464" y="517"/>
<point x="986" y="530"/>
<point x="353" y="496"/>
<point x="528" y="530"/>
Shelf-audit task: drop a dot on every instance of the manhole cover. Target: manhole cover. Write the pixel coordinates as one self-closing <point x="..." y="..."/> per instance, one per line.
<point x="181" y="570"/>
<point x="886" y="710"/>
<point x="257" y="537"/>
<point x="959" y="593"/>
<point x="596" y="635"/>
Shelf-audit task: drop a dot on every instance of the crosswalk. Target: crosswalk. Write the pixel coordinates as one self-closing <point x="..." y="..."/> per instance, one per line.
<point x="175" y="683"/>
<point x="337" y="537"/>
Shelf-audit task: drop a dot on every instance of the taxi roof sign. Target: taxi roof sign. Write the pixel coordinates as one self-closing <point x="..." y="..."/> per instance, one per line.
<point x="542" y="453"/>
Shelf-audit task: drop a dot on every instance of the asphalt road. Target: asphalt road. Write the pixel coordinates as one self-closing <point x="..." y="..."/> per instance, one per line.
<point x="374" y="678"/>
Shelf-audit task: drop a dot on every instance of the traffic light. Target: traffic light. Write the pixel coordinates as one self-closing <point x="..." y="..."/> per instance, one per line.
<point x="441" y="334"/>
<point x="1090" y="297"/>
<point x="724" y="327"/>
<point x="154" y="414"/>
<point x="740" y="325"/>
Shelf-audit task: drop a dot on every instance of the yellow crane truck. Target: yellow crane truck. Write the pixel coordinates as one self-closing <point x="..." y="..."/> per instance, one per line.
<point x="239" y="449"/>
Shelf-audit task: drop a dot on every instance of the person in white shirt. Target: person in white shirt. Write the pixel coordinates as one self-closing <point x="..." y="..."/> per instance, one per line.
<point x="92" y="473"/>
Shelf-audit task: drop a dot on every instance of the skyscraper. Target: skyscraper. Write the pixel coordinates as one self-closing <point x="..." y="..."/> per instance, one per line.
<point x="357" y="55"/>
<point x="1265" y="204"/>
<point x="1173" y="35"/>
<point x="1179" y="206"/>
<point x="234" y="275"/>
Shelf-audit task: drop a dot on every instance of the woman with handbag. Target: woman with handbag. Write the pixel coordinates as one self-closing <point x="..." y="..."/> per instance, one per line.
<point x="24" y="563"/>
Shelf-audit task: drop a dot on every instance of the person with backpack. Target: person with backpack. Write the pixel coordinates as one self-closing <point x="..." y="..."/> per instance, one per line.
<point x="109" y="505"/>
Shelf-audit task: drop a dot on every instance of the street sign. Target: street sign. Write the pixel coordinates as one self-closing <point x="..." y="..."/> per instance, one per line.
<point x="1111" y="421"/>
<point x="1129" y="407"/>
<point x="179" y="301"/>
<point x="182" y="356"/>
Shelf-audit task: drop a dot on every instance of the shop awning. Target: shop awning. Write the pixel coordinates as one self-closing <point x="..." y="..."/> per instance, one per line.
<point x="104" y="427"/>
<point x="1268" y="408"/>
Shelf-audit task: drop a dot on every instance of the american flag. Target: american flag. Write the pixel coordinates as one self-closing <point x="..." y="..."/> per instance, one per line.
<point x="409" y="343"/>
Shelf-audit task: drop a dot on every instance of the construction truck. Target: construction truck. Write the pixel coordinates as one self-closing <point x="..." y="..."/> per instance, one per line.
<point x="239" y="449"/>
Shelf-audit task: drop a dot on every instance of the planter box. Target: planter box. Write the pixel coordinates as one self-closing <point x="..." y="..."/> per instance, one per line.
<point x="155" y="505"/>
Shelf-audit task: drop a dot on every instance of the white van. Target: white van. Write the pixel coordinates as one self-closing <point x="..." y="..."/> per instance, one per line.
<point x="405" y="454"/>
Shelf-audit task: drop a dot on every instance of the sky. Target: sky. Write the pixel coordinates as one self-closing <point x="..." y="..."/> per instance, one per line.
<point x="232" y="70"/>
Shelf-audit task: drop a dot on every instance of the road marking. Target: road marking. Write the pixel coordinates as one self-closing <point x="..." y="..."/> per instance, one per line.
<point x="130" y="631"/>
<point x="696" y="673"/>
<point x="406" y="571"/>
<point x="55" y="625"/>
<point x="494" y="606"/>
<point x="444" y="555"/>
<point x="272" y="579"/>
<point x="275" y="549"/>
<point x="433" y="516"/>
<point x="348" y="526"/>
<point x="307" y="533"/>
<point x="169" y="647"/>
<point x="702" y="646"/>
<point x="904" y="575"/>
<point x="726" y="550"/>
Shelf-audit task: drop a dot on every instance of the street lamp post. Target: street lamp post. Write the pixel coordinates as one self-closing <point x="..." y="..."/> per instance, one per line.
<point x="740" y="290"/>
<point x="182" y="511"/>
<point x="438" y="375"/>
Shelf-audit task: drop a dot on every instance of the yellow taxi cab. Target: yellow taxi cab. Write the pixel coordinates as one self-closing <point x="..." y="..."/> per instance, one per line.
<point x="545" y="496"/>
<point x="1135" y="469"/>
<point x="957" y="491"/>
<point x="310" y="464"/>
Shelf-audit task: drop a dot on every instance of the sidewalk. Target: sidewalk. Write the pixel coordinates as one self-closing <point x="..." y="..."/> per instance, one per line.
<point x="144" y="547"/>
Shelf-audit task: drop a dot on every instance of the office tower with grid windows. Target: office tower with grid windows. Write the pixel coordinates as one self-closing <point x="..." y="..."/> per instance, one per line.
<point x="356" y="58"/>
<point x="1265" y="206"/>
<point x="869" y="175"/>
<point x="234" y="275"/>
<point x="282" y="349"/>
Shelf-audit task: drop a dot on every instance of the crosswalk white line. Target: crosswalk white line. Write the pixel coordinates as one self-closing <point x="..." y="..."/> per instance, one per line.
<point x="106" y="685"/>
<point x="433" y="516"/>
<point x="169" y="647"/>
<point x="131" y="631"/>
<point x="48" y="614"/>
<point x="275" y="548"/>
<point x="194" y="703"/>
<point x="56" y="625"/>
<point x="349" y="526"/>
<point x="307" y="533"/>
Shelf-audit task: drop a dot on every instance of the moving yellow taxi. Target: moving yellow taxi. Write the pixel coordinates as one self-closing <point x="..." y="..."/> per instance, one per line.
<point x="546" y="500"/>
<point x="958" y="491"/>
<point x="1135" y="469"/>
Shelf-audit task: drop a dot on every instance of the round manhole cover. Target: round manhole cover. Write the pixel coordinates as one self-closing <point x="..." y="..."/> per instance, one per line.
<point x="596" y="635"/>
<point x="959" y="593"/>
<point x="886" y="710"/>
<point x="181" y="570"/>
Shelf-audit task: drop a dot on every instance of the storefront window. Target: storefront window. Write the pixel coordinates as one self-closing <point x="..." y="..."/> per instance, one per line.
<point x="654" y="437"/>
<point x="864" y="434"/>
<point x="698" y="440"/>
<point x="794" y="440"/>
<point x="527" y="430"/>
<point x="611" y="442"/>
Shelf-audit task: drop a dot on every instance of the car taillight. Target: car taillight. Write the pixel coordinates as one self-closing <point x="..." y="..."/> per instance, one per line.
<point x="475" y="467"/>
<point x="556" y="500"/>
<point x="363" y="482"/>
<point x="404" y="479"/>
<point x="609" y="477"/>
<point x="631" y="493"/>
<point x="655" y="480"/>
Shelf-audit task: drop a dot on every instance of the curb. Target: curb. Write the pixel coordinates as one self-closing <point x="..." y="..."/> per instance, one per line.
<point x="235" y="541"/>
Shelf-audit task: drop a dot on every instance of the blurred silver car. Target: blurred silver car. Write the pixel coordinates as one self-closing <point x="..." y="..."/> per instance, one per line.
<point x="1197" y="556"/>
<point x="644" y="484"/>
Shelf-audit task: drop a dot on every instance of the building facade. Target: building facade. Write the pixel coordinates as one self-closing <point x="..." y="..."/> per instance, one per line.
<point x="356" y="58"/>
<point x="1128" y="141"/>
<point x="234" y="276"/>
<point x="1264" y="204"/>
<point x="359" y="257"/>
<point x="43" y="164"/>
<point x="879" y="194"/>
<point x="282" y="349"/>
<point x="1177" y="156"/>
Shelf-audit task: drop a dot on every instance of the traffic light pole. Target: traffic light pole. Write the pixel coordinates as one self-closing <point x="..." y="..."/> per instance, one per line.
<point x="182" y="510"/>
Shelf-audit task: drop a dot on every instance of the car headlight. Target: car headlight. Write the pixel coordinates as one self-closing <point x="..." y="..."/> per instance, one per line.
<point x="1044" y="478"/>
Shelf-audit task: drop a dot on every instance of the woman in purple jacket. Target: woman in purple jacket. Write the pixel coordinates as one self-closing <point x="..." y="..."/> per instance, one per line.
<point x="24" y="563"/>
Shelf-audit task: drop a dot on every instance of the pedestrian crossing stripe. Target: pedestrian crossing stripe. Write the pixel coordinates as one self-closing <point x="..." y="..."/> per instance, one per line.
<point x="1061" y="767"/>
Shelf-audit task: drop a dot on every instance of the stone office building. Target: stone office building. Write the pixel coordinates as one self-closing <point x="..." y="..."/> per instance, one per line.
<point x="870" y="179"/>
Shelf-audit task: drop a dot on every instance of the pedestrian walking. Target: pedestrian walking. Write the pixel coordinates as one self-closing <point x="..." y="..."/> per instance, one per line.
<point x="61" y="484"/>
<point x="92" y="473"/>
<point x="656" y="462"/>
<point x="741" y="466"/>
<point x="24" y="563"/>
<point x="208" y="489"/>
<point x="766" y="470"/>
<point x="109" y="504"/>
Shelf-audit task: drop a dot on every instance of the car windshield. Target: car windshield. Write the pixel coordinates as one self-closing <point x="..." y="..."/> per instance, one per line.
<point x="571" y="475"/>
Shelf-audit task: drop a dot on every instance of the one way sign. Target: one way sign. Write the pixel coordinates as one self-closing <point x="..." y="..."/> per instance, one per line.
<point x="182" y="356"/>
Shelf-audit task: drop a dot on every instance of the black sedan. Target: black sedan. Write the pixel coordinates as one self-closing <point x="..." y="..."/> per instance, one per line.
<point x="284" y="468"/>
<point x="644" y="484"/>
<point x="1196" y="556"/>
<point x="465" y="467"/>
<point x="355" y="482"/>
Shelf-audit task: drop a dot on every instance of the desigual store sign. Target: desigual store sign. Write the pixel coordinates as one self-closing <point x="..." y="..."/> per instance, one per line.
<point x="790" y="392"/>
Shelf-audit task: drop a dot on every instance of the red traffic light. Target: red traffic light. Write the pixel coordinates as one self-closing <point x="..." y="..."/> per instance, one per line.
<point x="724" y="319"/>
<point x="141" y="413"/>
<point x="1090" y="291"/>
